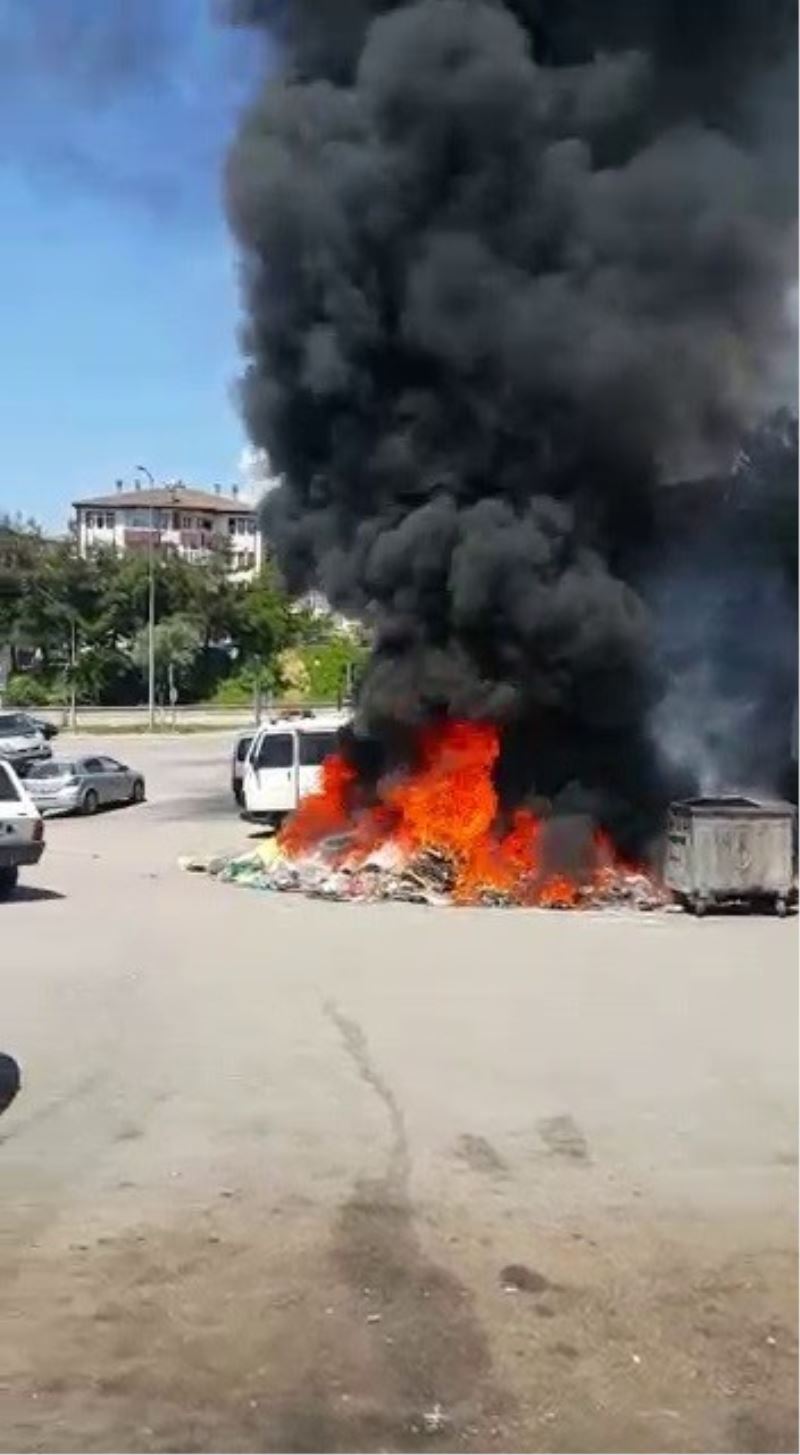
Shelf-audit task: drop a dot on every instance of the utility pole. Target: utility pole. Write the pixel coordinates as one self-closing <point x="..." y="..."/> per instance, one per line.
<point x="73" y="668"/>
<point x="151" y="611"/>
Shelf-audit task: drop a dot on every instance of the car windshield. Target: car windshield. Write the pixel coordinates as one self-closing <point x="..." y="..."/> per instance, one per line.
<point x="56" y="768"/>
<point x="13" y="724"/>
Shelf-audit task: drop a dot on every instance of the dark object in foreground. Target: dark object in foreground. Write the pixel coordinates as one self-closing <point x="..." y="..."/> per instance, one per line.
<point x="47" y="729"/>
<point x="10" y="1081"/>
<point x="731" y="849"/>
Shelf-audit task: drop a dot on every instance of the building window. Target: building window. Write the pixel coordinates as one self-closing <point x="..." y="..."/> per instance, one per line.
<point x="90" y="520"/>
<point x="206" y="523"/>
<point x="110" y="519"/>
<point x="141" y="519"/>
<point x="231" y="525"/>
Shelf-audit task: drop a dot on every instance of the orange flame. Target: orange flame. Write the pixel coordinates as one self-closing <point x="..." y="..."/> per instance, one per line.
<point x="323" y="813"/>
<point x="447" y="803"/>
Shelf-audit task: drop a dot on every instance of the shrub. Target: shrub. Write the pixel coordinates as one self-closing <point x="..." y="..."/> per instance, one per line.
<point x="25" y="689"/>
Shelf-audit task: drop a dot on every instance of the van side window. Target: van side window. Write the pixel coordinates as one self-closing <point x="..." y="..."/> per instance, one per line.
<point x="276" y="750"/>
<point x="242" y="749"/>
<point x="315" y="748"/>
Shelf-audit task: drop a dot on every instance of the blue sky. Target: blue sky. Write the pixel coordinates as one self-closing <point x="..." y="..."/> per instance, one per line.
<point x="118" y="306"/>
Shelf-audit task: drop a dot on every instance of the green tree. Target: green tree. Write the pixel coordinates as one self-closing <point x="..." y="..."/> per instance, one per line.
<point x="58" y="605"/>
<point x="177" y="641"/>
<point x="327" y="664"/>
<point x="21" y="550"/>
<point x="263" y="624"/>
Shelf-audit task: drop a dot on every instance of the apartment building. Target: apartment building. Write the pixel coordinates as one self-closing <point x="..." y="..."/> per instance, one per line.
<point x="192" y="523"/>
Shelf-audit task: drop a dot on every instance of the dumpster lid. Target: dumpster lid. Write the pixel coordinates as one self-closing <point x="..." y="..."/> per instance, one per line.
<point x="734" y="804"/>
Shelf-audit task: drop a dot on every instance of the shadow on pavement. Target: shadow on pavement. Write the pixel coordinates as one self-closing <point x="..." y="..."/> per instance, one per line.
<point x="29" y="893"/>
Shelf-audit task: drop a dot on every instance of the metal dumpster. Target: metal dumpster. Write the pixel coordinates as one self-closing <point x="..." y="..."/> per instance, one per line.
<point x="720" y="850"/>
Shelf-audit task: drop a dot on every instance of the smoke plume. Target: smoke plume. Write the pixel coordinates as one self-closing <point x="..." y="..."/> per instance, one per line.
<point x="510" y="269"/>
<point x="724" y="595"/>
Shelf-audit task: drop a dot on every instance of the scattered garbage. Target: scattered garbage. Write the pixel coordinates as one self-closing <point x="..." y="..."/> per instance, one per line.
<point x="336" y="870"/>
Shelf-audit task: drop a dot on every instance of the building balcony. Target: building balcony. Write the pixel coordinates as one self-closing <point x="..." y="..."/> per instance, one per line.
<point x="140" y="536"/>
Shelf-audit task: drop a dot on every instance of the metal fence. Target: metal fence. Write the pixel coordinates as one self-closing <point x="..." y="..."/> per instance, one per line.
<point x="196" y="714"/>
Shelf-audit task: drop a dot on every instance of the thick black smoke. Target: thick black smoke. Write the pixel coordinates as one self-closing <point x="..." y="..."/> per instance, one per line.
<point x="508" y="269"/>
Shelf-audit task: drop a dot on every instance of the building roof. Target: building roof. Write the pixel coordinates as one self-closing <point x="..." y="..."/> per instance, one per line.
<point x="180" y="497"/>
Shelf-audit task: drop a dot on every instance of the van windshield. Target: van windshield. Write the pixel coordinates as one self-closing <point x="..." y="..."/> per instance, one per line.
<point x="315" y="748"/>
<point x="276" y="750"/>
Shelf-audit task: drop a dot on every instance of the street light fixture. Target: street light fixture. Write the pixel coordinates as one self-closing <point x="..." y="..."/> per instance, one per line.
<point x="151" y="611"/>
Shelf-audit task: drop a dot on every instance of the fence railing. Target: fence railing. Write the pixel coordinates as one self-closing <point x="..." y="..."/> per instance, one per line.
<point x="195" y="714"/>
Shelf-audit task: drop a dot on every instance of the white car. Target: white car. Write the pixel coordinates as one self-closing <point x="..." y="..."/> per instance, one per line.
<point x="284" y="763"/>
<point x="22" y="741"/>
<point x="21" y="829"/>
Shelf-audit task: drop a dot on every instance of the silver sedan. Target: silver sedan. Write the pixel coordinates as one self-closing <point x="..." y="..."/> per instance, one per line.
<point x="82" y="785"/>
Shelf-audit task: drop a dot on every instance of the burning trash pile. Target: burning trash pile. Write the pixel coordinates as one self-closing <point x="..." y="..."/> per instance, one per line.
<point x="435" y="836"/>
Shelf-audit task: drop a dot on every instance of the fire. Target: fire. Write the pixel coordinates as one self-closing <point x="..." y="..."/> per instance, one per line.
<point x="446" y="805"/>
<point x="321" y="814"/>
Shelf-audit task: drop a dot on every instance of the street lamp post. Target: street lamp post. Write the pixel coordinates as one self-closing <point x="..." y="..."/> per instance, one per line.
<point x="73" y="668"/>
<point x="151" y="612"/>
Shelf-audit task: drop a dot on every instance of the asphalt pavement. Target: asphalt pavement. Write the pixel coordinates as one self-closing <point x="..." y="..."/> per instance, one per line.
<point x="290" y="1175"/>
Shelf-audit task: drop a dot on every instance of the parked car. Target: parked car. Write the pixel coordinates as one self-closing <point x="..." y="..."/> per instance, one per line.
<point x="82" y="785"/>
<point x="21" y="829"/>
<point x="284" y="764"/>
<point x="241" y="748"/>
<point x="46" y="728"/>
<point x="21" y="741"/>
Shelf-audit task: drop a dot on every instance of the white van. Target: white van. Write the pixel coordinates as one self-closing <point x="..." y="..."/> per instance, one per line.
<point x="284" y="762"/>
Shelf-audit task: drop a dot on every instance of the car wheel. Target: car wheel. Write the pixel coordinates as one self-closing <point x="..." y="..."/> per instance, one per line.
<point x="137" y="794"/>
<point x="90" y="802"/>
<point x="9" y="875"/>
